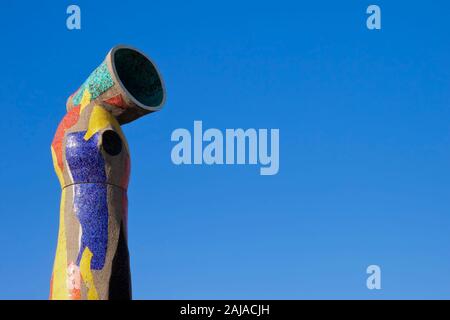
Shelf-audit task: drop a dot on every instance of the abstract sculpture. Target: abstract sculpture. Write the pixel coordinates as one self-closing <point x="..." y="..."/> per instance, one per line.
<point x="91" y="159"/>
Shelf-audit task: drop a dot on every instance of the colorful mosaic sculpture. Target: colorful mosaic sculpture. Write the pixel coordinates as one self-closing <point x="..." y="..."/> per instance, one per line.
<point x="92" y="162"/>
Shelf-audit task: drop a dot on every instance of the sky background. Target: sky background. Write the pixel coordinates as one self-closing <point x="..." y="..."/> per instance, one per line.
<point x="364" y="121"/>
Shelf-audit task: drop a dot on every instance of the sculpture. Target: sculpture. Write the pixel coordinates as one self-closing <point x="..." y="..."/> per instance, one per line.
<point x="91" y="159"/>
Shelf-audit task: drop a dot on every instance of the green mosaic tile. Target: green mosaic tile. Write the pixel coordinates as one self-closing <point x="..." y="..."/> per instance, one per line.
<point x="98" y="82"/>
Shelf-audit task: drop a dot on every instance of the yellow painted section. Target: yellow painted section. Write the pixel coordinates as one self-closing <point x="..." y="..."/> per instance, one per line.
<point x="86" y="273"/>
<point x="85" y="100"/>
<point x="60" y="291"/>
<point x="57" y="168"/>
<point x="101" y="119"/>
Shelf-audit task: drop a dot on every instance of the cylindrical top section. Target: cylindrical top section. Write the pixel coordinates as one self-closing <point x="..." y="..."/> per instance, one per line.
<point x="127" y="83"/>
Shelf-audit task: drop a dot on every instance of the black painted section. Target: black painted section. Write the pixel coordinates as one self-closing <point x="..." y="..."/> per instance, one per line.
<point x="120" y="282"/>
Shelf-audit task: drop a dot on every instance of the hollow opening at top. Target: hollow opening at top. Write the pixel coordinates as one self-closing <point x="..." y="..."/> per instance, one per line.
<point x="139" y="77"/>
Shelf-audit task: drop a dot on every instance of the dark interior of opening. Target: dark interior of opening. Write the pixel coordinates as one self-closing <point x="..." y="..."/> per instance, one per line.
<point x="139" y="77"/>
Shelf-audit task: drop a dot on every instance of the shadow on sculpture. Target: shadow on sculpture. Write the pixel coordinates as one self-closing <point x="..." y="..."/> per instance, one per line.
<point x="91" y="159"/>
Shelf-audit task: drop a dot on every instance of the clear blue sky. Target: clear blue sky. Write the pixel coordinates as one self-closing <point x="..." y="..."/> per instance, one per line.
<point x="364" y="121"/>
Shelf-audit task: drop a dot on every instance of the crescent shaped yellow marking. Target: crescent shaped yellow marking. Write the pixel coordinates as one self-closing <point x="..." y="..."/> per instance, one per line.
<point x="101" y="119"/>
<point x="85" y="100"/>
<point x="86" y="273"/>
<point x="60" y="290"/>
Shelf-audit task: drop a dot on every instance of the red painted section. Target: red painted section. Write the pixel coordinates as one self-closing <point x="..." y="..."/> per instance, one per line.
<point x="69" y="120"/>
<point x="126" y="173"/>
<point x="116" y="101"/>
